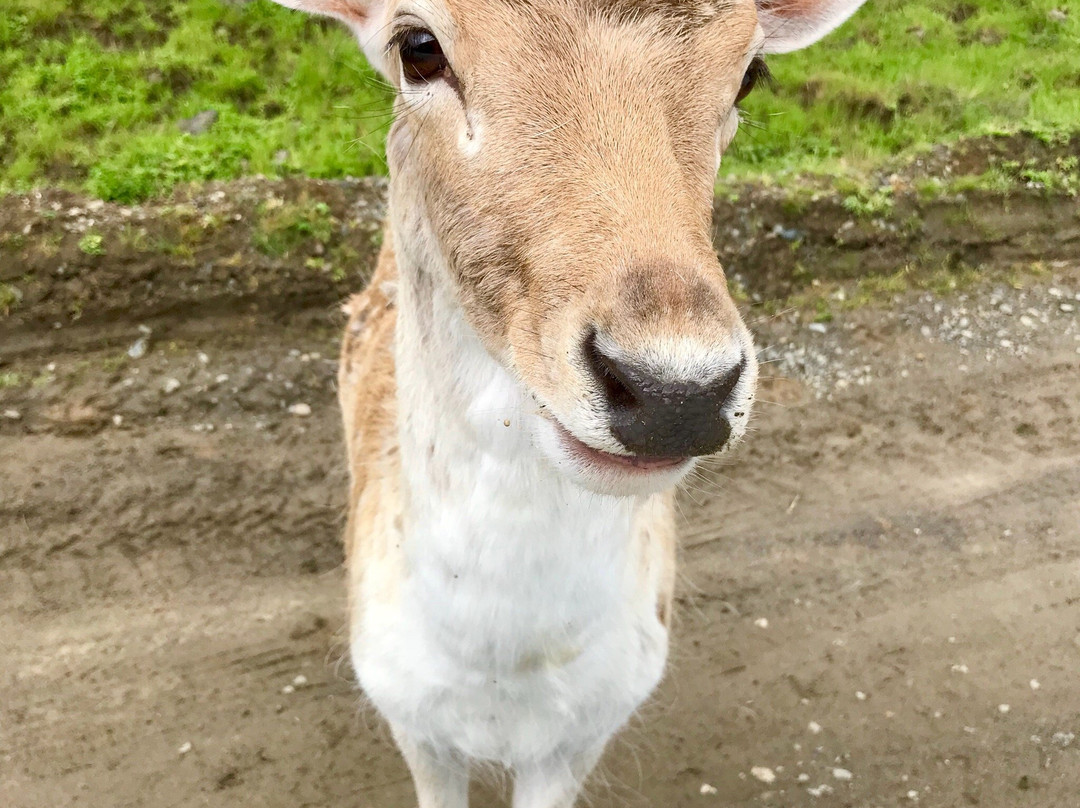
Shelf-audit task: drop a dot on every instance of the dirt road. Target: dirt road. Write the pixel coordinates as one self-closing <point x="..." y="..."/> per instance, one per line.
<point x="880" y="603"/>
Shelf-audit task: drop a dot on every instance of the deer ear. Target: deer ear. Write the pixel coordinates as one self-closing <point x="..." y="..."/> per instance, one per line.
<point x="793" y="24"/>
<point x="362" y="16"/>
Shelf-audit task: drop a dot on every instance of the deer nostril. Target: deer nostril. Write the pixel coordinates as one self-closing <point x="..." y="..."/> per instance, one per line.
<point x="617" y="389"/>
<point x="651" y="415"/>
<point x="725" y="386"/>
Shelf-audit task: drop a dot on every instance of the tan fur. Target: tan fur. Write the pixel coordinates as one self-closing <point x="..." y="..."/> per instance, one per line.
<point x="367" y="394"/>
<point x="555" y="182"/>
<point x="590" y="198"/>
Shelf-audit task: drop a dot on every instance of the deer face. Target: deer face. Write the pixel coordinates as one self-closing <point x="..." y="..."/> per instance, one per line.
<point x="552" y="165"/>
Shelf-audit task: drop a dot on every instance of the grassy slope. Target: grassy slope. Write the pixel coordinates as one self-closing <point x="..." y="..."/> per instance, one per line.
<point x="903" y="74"/>
<point x="91" y="90"/>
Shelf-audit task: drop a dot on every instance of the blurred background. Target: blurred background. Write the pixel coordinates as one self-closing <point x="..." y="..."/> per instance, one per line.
<point x="94" y="94"/>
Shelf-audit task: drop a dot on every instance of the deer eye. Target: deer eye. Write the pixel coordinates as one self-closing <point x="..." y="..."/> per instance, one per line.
<point x="422" y="57"/>
<point x="757" y="72"/>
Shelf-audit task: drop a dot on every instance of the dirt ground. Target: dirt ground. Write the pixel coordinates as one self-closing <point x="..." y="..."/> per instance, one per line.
<point x="879" y="604"/>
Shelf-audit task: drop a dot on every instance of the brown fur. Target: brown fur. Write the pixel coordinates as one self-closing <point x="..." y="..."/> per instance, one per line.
<point x="556" y="182"/>
<point x="589" y="198"/>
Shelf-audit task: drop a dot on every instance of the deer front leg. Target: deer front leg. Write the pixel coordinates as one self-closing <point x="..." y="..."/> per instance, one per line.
<point x="441" y="779"/>
<point x="554" y="782"/>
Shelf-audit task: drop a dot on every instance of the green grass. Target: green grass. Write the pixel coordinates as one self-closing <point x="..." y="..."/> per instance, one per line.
<point x="901" y="76"/>
<point x="91" y="91"/>
<point x="10" y="379"/>
<point x="10" y="297"/>
<point x="92" y="244"/>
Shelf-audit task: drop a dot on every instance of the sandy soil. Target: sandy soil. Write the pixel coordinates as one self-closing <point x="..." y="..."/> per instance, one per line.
<point x="905" y="517"/>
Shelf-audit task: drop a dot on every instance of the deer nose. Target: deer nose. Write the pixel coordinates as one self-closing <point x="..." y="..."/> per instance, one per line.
<point x="656" y="417"/>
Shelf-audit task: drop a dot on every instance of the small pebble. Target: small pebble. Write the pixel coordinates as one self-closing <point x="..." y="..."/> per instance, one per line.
<point x="300" y="409"/>
<point x="842" y="774"/>
<point x="137" y="349"/>
<point x="959" y="668"/>
<point x="764" y="774"/>
<point x="170" y="386"/>
<point x="288" y="690"/>
<point x="860" y="695"/>
<point x="820" y="791"/>
<point x="1063" y="739"/>
<point x="814" y="727"/>
<point x="117" y="420"/>
<point x="1003" y="708"/>
<point x="913" y="795"/>
<point x="184" y="748"/>
<point x="817" y="328"/>
<point x="707" y="789"/>
<point x="803" y="778"/>
<point x="762" y="622"/>
<point x="12" y="415"/>
<point x="1034" y="684"/>
<point x="300" y="681"/>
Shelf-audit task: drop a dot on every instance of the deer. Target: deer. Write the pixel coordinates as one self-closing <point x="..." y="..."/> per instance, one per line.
<point x="546" y="348"/>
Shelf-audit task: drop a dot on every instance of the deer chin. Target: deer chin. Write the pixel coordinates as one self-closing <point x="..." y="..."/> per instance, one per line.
<point x="605" y="472"/>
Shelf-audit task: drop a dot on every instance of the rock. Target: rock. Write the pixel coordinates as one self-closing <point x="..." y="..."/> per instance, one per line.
<point x="764" y="774"/>
<point x="137" y="350"/>
<point x="817" y="328"/>
<point x="301" y="409"/>
<point x="707" y="789"/>
<point x="184" y="748"/>
<point x="12" y="415"/>
<point x="1063" y="739"/>
<point x="842" y="774"/>
<point x="170" y="386"/>
<point x="1058" y="15"/>
<point x="787" y="233"/>
<point x="199" y="124"/>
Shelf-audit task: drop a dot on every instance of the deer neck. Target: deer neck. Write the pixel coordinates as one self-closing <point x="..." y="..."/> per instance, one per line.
<point x="472" y="475"/>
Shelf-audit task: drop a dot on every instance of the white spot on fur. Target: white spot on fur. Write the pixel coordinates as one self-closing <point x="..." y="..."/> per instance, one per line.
<point x="471" y="136"/>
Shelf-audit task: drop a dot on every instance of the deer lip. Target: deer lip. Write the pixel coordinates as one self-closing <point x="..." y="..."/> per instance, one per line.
<point x="628" y="463"/>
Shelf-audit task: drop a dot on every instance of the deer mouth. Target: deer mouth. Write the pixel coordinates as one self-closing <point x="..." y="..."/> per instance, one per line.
<point x="598" y="459"/>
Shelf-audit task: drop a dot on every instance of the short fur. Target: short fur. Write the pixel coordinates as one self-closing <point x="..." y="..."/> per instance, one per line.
<point x="509" y="601"/>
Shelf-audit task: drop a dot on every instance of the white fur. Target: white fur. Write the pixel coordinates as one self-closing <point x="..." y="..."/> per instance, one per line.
<point x="786" y="34"/>
<point x="521" y="633"/>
